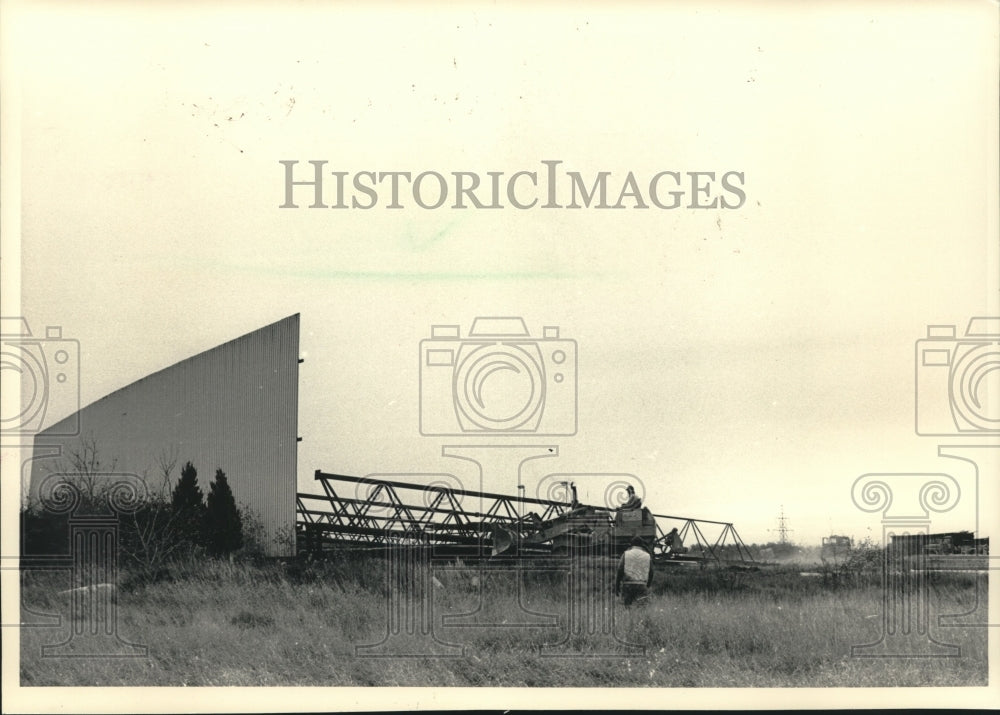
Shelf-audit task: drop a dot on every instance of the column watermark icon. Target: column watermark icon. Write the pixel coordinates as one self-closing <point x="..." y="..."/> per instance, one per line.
<point x="905" y="502"/>
<point x="92" y="511"/>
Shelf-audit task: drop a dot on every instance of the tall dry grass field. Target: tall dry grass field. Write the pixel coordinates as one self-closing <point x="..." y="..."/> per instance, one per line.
<point x="223" y="623"/>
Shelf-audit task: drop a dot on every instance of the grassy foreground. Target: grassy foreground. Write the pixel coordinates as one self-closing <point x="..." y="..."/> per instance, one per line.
<point x="222" y="623"/>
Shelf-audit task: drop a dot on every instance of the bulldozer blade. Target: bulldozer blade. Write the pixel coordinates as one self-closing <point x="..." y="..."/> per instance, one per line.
<point x="503" y="540"/>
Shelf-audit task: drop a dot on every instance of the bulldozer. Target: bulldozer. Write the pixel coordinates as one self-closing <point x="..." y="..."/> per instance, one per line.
<point x="575" y="530"/>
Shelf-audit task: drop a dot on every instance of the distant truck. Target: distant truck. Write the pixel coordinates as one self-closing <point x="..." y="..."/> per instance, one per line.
<point x="835" y="547"/>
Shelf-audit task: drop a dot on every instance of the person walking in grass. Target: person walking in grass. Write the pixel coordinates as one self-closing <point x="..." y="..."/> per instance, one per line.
<point x="635" y="573"/>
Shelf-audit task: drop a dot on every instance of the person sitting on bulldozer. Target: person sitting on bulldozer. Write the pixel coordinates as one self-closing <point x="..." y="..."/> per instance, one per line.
<point x="675" y="545"/>
<point x="632" y="502"/>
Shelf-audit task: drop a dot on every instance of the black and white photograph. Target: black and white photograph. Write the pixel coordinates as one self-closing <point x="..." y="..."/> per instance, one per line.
<point x="407" y="356"/>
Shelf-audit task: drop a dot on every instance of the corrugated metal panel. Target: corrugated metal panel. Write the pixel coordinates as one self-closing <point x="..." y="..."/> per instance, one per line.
<point x="233" y="407"/>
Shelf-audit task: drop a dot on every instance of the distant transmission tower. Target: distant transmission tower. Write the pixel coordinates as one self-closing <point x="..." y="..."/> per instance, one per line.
<point x="783" y="530"/>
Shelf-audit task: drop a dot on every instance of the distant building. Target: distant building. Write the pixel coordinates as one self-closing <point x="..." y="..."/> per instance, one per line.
<point x="953" y="542"/>
<point x="233" y="407"/>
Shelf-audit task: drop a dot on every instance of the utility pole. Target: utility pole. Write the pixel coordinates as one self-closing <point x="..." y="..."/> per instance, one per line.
<point x="783" y="530"/>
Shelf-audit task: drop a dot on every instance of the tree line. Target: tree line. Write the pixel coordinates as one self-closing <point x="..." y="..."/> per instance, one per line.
<point x="213" y="523"/>
<point x="149" y="532"/>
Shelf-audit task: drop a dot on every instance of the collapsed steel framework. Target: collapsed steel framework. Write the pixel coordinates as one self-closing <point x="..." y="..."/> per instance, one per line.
<point x="378" y="514"/>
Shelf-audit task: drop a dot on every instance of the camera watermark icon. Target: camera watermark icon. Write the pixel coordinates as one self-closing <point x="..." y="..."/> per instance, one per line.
<point x="498" y="380"/>
<point x="957" y="386"/>
<point x="48" y="371"/>
<point x="957" y="393"/>
<point x="974" y="557"/>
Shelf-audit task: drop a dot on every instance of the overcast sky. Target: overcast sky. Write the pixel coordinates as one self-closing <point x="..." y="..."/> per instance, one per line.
<point x="734" y="361"/>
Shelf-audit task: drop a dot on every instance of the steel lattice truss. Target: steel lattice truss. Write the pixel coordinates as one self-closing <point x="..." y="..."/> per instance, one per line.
<point x="373" y="512"/>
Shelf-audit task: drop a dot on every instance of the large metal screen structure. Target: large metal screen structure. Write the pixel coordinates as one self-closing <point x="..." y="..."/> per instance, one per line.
<point x="233" y="407"/>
